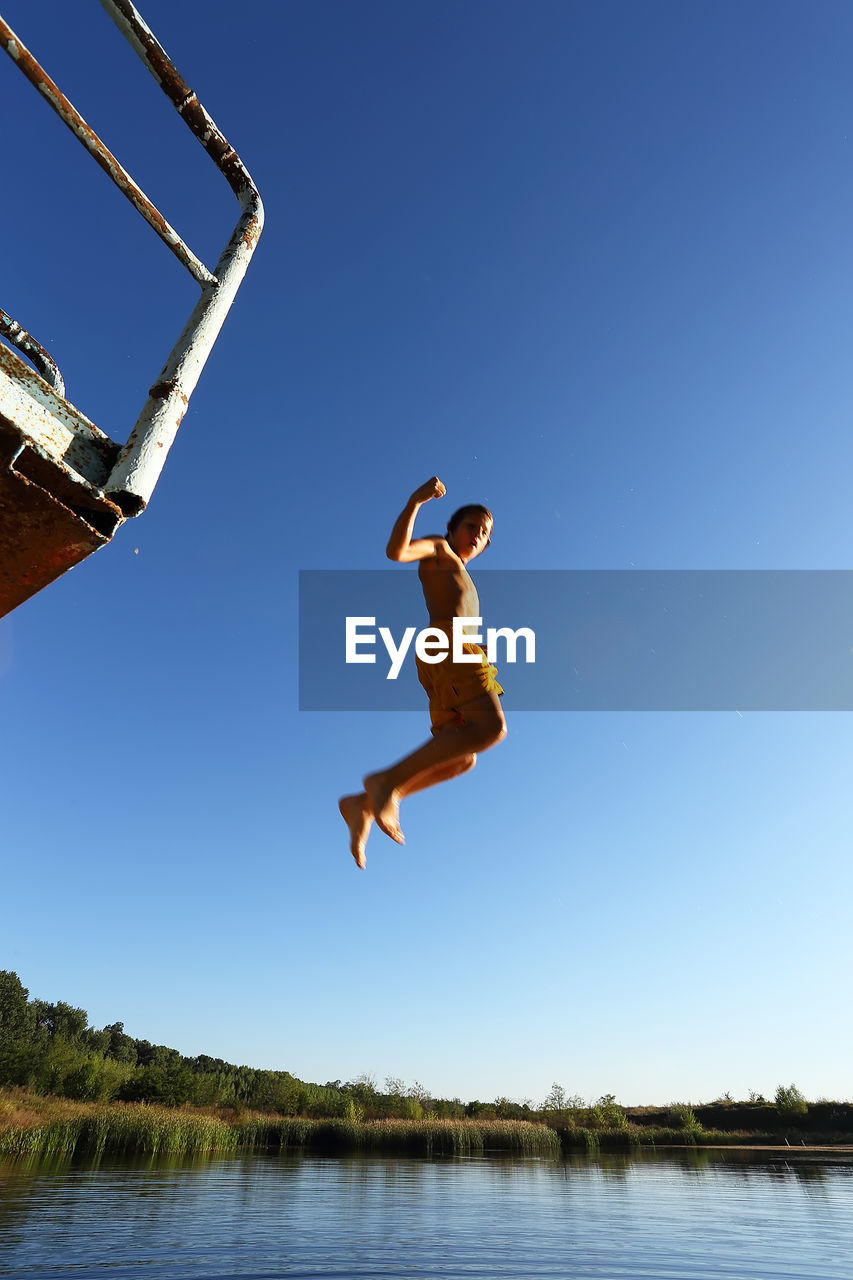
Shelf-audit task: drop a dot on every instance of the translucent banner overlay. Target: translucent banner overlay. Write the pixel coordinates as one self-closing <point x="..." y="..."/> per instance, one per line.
<point x="606" y="640"/>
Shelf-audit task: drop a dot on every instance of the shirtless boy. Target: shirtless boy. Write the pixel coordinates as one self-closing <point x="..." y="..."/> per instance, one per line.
<point x="465" y="710"/>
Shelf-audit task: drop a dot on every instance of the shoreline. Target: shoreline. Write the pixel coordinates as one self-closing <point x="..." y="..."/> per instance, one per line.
<point x="837" y="1147"/>
<point x="32" y="1125"/>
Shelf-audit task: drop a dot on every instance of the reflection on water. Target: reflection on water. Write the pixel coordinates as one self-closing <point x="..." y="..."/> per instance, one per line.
<point x="700" y="1215"/>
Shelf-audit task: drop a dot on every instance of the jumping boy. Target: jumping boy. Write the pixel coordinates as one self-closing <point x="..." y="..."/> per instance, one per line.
<point x="465" y="712"/>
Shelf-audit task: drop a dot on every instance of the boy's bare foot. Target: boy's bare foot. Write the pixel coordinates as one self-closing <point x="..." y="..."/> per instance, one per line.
<point x="384" y="803"/>
<point x="358" y="818"/>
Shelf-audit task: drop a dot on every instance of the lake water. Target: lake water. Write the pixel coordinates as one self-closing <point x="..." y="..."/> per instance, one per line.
<point x="696" y="1216"/>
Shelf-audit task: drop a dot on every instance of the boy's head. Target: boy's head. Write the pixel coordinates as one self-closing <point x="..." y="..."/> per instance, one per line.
<point x="469" y="530"/>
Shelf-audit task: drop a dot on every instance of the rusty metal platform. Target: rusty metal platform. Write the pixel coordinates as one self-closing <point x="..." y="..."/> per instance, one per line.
<point x="53" y="464"/>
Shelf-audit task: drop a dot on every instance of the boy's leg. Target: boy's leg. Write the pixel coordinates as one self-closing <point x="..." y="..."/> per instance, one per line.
<point x="484" y="727"/>
<point x="357" y="814"/>
<point x="441" y="773"/>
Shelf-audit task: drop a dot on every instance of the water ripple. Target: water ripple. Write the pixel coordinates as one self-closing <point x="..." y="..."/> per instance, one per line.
<point x="731" y="1216"/>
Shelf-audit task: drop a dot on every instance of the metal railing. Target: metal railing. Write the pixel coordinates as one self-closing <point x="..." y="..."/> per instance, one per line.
<point x="34" y="351"/>
<point x="141" y="460"/>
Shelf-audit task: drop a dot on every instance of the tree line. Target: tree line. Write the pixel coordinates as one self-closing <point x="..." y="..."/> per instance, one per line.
<point x="51" y="1049"/>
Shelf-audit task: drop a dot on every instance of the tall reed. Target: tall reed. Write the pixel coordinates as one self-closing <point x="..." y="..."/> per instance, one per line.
<point x="635" y="1136"/>
<point x="122" y="1128"/>
<point x="59" y="1127"/>
<point x="427" y="1136"/>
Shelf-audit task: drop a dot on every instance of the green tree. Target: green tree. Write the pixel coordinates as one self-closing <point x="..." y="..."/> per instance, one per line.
<point x="61" y="1020"/>
<point x="206" y="1091"/>
<point x="145" y="1054"/>
<point x="559" y="1105"/>
<point x="353" y="1111"/>
<point x="18" y="1052"/>
<point x="393" y="1098"/>
<point x="96" y="1041"/>
<point x="363" y="1090"/>
<point x="171" y="1088"/>
<point x="15" y="1021"/>
<point x="556" y="1100"/>
<point x="122" y="1047"/>
<point x="55" y="1062"/>
<point x="96" y="1079"/>
<point x="608" y="1114"/>
<point x="790" y="1103"/>
<point x="276" y="1091"/>
<point x="682" y="1116"/>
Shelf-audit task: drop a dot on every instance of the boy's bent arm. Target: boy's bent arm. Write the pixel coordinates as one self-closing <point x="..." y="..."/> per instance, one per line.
<point x="401" y="545"/>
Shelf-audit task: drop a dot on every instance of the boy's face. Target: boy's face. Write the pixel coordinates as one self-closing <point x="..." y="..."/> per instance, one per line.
<point x="471" y="536"/>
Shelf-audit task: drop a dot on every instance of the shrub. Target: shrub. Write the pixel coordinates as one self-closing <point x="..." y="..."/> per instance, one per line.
<point x="681" y="1116"/>
<point x="790" y="1103"/>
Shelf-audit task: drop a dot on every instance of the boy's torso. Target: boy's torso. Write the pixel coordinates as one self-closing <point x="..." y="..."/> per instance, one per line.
<point x="447" y="587"/>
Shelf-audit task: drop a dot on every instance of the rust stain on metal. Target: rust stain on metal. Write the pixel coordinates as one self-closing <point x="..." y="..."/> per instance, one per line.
<point x="47" y="525"/>
<point x="162" y="390"/>
<point x="51" y="422"/>
<point x="251" y="234"/>
<point x="185" y="100"/>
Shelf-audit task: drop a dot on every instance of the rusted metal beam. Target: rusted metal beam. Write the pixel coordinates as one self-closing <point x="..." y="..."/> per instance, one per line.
<point x="142" y="458"/>
<point x="139" y="466"/>
<point x="130" y="22"/>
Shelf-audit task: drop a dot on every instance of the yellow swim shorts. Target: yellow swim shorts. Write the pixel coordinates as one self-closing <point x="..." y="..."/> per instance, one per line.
<point x="449" y="685"/>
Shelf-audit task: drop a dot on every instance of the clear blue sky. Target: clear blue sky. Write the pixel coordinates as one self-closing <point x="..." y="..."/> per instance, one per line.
<point x="590" y="264"/>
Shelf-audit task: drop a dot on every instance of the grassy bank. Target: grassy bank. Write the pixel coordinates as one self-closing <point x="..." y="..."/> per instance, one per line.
<point x="634" y="1137"/>
<point x="35" y="1125"/>
<point x="32" y="1124"/>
